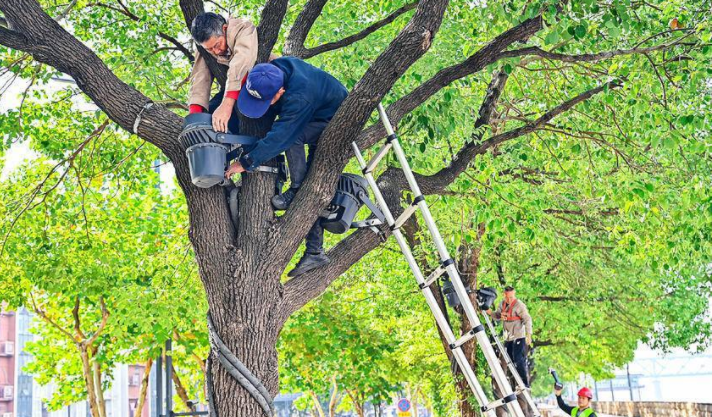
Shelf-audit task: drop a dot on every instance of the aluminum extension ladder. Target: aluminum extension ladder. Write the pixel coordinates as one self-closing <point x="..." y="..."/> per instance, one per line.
<point x="447" y="265"/>
<point x="521" y="387"/>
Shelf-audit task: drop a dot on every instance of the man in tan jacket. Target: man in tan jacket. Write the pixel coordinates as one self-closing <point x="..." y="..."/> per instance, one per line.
<point x="517" y="325"/>
<point x="233" y="43"/>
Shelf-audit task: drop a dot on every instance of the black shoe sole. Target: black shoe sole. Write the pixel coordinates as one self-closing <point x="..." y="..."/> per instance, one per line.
<point x="303" y="270"/>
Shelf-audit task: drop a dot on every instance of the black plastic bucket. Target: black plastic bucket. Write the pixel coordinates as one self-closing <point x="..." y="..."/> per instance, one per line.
<point x="207" y="163"/>
<point x="345" y="205"/>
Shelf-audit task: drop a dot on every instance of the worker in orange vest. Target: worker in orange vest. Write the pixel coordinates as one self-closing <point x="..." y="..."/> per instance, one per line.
<point x="517" y="325"/>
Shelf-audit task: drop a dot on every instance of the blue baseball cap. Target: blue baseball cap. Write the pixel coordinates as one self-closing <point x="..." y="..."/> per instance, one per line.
<point x="263" y="83"/>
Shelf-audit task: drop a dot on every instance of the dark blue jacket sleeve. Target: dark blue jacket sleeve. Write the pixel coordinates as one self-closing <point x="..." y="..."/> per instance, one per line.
<point x="562" y="405"/>
<point x="295" y="114"/>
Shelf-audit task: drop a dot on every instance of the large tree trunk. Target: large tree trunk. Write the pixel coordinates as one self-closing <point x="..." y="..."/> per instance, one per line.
<point x="89" y="381"/>
<point x="334" y="400"/>
<point x="180" y="389"/>
<point x="317" y="404"/>
<point x="468" y="264"/>
<point x="243" y="307"/>
<point x="241" y="266"/>
<point x="144" y="388"/>
<point x="96" y="366"/>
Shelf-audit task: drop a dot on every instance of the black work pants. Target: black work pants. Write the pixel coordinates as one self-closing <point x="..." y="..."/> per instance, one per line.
<point x="299" y="164"/>
<point x="517" y="351"/>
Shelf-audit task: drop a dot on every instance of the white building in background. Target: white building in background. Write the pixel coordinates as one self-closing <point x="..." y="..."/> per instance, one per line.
<point x="677" y="376"/>
<point x="22" y="396"/>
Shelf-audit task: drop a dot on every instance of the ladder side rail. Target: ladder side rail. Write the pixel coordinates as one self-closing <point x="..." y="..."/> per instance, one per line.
<point x="442" y="322"/>
<point x="496" y="368"/>
<point x="427" y="292"/>
<point x="526" y="391"/>
<point x="510" y="365"/>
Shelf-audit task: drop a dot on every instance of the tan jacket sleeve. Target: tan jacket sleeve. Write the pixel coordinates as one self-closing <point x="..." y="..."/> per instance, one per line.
<point x="526" y="318"/>
<point x="201" y="81"/>
<point x="242" y="39"/>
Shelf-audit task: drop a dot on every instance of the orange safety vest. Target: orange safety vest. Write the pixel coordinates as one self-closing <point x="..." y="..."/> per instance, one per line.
<point x="507" y="312"/>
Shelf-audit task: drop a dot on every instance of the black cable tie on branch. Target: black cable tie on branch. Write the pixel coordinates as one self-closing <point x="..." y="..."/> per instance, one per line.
<point x="239" y="372"/>
<point x="417" y="200"/>
<point x="390" y="138"/>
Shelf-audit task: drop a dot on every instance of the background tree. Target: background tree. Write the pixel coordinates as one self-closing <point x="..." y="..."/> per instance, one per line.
<point x="103" y="264"/>
<point x="608" y="66"/>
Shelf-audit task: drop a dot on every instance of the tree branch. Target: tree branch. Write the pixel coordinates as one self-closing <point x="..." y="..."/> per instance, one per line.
<point x="436" y="182"/>
<point x="180" y="389"/>
<point x="77" y="321"/>
<point x="306" y="53"/>
<point x="126" y="12"/>
<point x="294" y="43"/>
<point x="102" y="325"/>
<point x="190" y="9"/>
<point x="299" y="290"/>
<point x="486" y="55"/>
<point x="535" y="50"/>
<point x="334" y="149"/>
<point x="179" y="46"/>
<point x="268" y="30"/>
<point x="12" y="39"/>
<point x="66" y="10"/>
<point x="46" y="318"/>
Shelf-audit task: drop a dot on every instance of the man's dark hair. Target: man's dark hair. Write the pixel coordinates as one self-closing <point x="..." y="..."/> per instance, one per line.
<point x="207" y="25"/>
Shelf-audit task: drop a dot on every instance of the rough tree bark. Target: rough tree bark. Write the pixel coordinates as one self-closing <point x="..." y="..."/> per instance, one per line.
<point x="144" y="388"/>
<point x="241" y="267"/>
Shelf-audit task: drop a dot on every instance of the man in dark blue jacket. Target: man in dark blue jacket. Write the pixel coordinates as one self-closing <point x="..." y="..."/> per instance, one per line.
<point x="303" y="99"/>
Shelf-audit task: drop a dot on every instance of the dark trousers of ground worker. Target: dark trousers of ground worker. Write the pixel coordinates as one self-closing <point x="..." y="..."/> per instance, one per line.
<point x="517" y="351"/>
<point x="233" y="125"/>
<point x="299" y="165"/>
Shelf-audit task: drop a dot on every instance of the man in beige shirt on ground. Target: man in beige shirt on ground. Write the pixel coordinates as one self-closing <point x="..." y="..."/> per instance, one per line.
<point x="517" y="325"/>
<point x="233" y="43"/>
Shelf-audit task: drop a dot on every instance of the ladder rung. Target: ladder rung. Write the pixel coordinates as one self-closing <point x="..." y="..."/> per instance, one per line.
<point x="404" y="217"/>
<point x="498" y="403"/>
<point x="400" y="221"/>
<point x="467" y="337"/>
<point x="432" y="277"/>
<point x="377" y="158"/>
<point x="366" y="223"/>
<point x="437" y="273"/>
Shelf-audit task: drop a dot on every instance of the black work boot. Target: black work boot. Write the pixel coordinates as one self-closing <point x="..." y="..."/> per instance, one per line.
<point x="284" y="200"/>
<point x="308" y="262"/>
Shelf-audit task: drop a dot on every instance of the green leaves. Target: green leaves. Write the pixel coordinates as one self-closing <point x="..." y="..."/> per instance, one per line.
<point x="117" y="241"/>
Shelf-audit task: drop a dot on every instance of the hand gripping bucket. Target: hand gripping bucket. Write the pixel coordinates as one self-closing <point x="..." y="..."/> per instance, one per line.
<point x="207" y="150"/>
